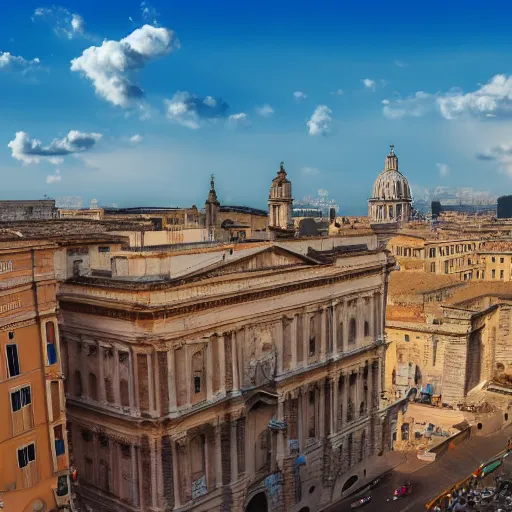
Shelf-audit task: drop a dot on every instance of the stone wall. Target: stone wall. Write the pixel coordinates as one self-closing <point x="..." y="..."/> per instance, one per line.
<point x="11" y="211"/>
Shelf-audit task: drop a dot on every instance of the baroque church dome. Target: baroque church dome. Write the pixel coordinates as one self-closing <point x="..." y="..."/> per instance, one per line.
<point x="391" y="184"/>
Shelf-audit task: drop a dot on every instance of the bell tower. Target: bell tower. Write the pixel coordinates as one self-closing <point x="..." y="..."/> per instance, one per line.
<point x="212" y="207"/>
<point x="280" y="202"/>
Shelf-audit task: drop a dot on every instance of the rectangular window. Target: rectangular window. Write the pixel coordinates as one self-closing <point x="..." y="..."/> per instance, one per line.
<point x="21" y="405"/>
<point x="502" y="260"/>
<point x="493" y="259"/>
<point x="51" y="351"/>
<point x="446" y="269"/>
<point x="502" y="274"/>
<point x="60" y="448"/>
<point x="433" y="267"/>
<point x="13" y="362"/>
<point x="493" y="274"/>
<point x="406" y="337"/>
<point x="432" y="252"/>
<point x="26" y="455"/>
<point x="103" y="249"/>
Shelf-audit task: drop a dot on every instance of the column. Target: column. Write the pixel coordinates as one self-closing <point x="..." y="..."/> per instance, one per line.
<point x="334" y="404"/>
<point x="151" y="387"/>
<point x="280" y="434"/>
<point x="370" y="386"/>
<point x="345" y="389"/>
<point x="209" y="371"/>
<point x="345" y="325"/>
<point x="135" y="367"/>
<point x="334" y="326"/>
<point x="171" y="379"/>
<point x="305" y="414"/>
<point x="176" y="476"/>
<point x="131" y="385"/>
<point x="373" y="324"/>
<point x="234" y="454"/>
<point x="321" y="411"/>
<point x="234" y="362"/>
<point x="279" y="346"/>
<point x="135" y="493"/>
<point x="323" y="335"/>
<point x="115" y="383"/>
<point x="222" y="364"/>
<point x="360" y="322"/>
<point x="101" y="375"/>
<point x="293" y="341"/>
<point x="305" y="338"/>
<point x="119" y="471"/>
<point x="154" y="384"/>
<point x="154" y="473"/>
<point x="218" y="457"/>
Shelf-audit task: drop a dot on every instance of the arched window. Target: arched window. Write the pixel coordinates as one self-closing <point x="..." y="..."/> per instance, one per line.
<point x="393" y="377"/>
<point x="51" y="351"/>
<point x="93" y="386"/>
<point x="352" y="333"/>
<point x="77" y="384"/>
<point x="366" y="329"/>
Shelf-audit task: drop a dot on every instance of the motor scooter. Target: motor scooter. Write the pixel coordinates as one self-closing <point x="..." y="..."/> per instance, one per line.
<point x="361" y="502"/>
<point x="402" y="492"/>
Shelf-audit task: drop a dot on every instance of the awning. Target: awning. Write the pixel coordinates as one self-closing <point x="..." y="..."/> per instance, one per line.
<point x="491" y="467"/>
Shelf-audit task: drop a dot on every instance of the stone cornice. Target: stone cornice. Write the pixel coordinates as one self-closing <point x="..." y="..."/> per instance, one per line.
<point x="133" y="312"/>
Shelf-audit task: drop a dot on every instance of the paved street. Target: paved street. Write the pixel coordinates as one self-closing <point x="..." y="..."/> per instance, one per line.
<point x="430" y="480"/>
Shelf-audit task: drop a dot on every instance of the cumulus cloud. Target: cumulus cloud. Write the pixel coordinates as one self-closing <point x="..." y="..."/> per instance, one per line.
<point x="321" y="120"/>
<point x="337" y="92"/>
<point x="31" y="151"/>
<point x="494" y="97"/>
<point x="136" y="139"/>
<point x="444" y="169"/>
<point x="110" y="65"/>
<point x="369" y="84"/>
<point x="17" y="64"/>
<point x="54" y="178"/>
<point x="193" y="111"/>
<point x="240" y="120"/>
<point x="300" y="96"/>
<point x="265" y="110"/>
<point x="309" y="171"/>
<point x="65" y="23"/>
<point x="489" y="100"/>
<point x="416" y="105"/>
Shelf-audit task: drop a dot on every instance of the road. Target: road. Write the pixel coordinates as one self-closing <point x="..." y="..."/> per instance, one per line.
<point x="430" y="480"/>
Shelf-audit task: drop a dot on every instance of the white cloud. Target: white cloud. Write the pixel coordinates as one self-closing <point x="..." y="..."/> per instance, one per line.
<point x="65" y="23"/>
<point x="416" y="105"/>
<point x="16" y="63"/>
<point x="309" y="171"/>
<point x="54" y="178"/>
<point x="31" y="151"/>
<point x="323" y="192"/>
<point x="192" y="111"/>
<point x="149" y="13"/>
<point x="300" y="96"/>
<point x="489" y="100"/>
<point x="501" y="154"/>
<point x="444" y="169"/>
<point x="494" y="97"/>
<point x="109" y="66"/>
<point x="265" y="110"/>
<point x="136" y="139"/>
<point x="337" y="92"/>
<point x="240" y="120"/>
<point x="369" y="84"/>
<point x="321" y="120"/>
<point x="400" y="63"/>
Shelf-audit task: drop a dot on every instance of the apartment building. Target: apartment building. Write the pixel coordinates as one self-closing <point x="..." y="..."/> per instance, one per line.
<point x="33" y="438"/>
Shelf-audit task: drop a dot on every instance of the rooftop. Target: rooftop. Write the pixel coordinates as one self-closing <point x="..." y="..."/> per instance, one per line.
<point x="411" y="283"/>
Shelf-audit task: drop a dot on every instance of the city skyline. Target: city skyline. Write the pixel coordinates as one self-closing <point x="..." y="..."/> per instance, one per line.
<point x="123" y="107"/>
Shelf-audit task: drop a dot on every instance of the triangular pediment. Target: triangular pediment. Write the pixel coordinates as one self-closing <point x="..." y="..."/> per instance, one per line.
<point x="265" y="259"/>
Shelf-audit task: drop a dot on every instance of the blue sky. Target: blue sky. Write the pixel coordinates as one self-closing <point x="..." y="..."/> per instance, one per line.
<point x="138" y="105"/>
